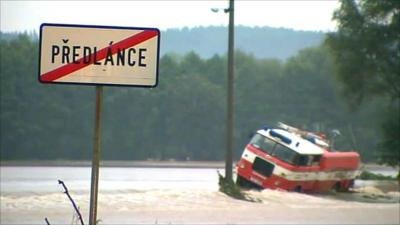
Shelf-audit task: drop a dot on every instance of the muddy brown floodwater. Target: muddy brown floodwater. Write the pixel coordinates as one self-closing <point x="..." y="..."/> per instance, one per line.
<point x="182" y="196"/>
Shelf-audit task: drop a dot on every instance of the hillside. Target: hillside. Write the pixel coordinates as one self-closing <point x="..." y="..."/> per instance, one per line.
<point x="262" y="42"/>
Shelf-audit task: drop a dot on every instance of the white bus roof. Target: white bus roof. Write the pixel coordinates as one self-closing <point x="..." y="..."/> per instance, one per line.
<point x="297" y="143"/>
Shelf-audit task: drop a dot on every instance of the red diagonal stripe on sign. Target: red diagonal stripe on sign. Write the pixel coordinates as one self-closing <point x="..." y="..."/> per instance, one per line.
<point x="101" y="54"/>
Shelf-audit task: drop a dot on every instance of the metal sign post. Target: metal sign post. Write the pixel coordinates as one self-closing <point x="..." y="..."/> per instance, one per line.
<point x="96" y="157"/>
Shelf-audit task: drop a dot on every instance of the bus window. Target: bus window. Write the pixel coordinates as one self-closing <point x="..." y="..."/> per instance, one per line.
<point x="315" y="160"/>
<point x="307" y="160"/>
<point x="263" y="143"/>
<point x="285" y="154"/>
<point x="303" y="160"/>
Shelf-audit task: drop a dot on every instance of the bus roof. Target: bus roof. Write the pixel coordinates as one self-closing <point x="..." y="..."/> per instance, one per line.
<point x="292" y="141"/>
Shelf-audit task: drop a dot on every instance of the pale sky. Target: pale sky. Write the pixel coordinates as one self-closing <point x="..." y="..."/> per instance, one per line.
<point x="298" y="15"/>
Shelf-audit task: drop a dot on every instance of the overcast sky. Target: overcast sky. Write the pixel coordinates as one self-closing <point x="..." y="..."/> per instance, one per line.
<point x="299" y="15"/>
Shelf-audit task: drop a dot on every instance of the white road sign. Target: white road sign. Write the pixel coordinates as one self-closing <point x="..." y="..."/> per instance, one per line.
<point x="83" y="54"/>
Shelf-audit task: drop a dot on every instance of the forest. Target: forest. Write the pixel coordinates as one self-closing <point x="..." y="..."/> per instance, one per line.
<point x="183" y="118"/>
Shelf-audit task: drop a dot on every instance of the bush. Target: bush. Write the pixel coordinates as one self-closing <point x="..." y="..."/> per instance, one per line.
<point x="365" y="175"/>
<point x="230" y="188"/>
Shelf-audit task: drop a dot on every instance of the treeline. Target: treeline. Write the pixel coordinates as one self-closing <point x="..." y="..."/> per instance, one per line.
<point x="184" y="117"/>
<point x="263" y="42"/>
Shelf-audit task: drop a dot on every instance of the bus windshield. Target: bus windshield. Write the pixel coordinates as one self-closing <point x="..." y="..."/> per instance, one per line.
<point x="263" y="143"/>
<point x="275" y="149"/>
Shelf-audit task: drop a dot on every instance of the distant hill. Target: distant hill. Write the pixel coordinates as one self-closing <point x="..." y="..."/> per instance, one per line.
<point x="263" y="42"/>
<point x="12" y="35"/>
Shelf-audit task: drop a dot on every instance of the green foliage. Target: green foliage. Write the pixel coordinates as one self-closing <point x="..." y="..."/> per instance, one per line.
<point x="366" y="50"/>
<point x="184" y="117"/>
<point x="230" y="188"/>
<point x="389" y="147"/>
<point x="365" y="175"/>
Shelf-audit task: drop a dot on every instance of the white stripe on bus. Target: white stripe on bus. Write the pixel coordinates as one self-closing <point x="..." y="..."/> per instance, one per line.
<point x="304" y="176"/>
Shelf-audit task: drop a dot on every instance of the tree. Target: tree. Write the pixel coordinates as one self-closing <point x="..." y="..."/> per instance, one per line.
<point x="183" y="117"/>
<point x="366" y="50"/>
<point x="389" y="147"/>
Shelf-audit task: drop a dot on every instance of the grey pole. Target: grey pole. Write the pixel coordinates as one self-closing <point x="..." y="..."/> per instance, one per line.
<point x="96" y="158"/>
<point x="229" y="110"/>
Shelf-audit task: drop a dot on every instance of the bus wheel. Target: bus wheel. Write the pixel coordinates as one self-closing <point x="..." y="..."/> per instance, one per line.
<point x="298" y="189"/>
<point x="337" y="187"/>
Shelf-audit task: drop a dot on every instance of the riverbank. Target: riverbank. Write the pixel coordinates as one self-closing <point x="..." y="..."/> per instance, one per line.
<point x="116" y="163"/>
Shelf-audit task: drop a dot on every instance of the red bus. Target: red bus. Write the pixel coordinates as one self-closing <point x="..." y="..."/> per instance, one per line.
<point x="295" y="160"/>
